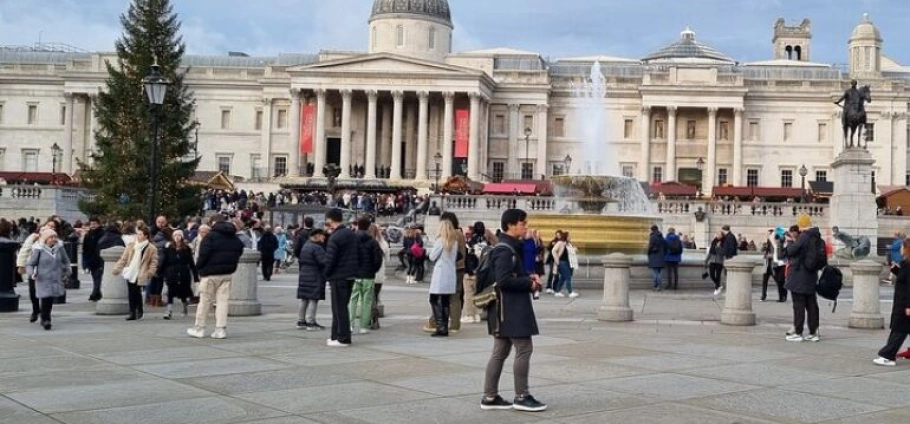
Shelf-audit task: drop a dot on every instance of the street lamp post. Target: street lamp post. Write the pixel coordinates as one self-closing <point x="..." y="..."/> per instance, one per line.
<point x="155" y="88"/>
<point x="55" y="152"/>
<point x="437" y="158"/>
<point x="568" y="163"/>
<point x="802" y="173"/>
<point x="700" y="165"/>
<point x="527" y="144"/>
<point x="196" y="125"/>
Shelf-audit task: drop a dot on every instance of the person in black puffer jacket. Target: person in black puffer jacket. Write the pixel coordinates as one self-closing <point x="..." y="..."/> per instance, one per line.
<point x="267" y="246"/>
<point x="311" y="281"/>
<point x="219" y="255"/>
<point x="91" y="256"/>
<point x="340" y="271"/>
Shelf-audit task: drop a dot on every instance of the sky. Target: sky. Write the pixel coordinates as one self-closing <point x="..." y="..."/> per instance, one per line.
<point x="554" y="28"/>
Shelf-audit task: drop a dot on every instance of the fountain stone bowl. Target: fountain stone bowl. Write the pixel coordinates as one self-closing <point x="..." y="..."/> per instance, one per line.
<point x="593" y="230"/>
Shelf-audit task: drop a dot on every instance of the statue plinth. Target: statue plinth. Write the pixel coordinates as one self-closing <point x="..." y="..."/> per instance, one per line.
<point x="853" y="209"/>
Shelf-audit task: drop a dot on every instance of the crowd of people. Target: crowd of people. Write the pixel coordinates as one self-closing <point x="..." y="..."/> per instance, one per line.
<point x="251" y="203"/>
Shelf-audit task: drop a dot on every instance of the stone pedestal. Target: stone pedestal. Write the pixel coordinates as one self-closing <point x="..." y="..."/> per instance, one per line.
<point x="616" y="288"/>
<point x="244" y="299"/>
<point x="9" y="300"/>
<point x="738" y="302"/>
<point x="853" y="207"/>
<point x="866" y="311"/>
<point x="114" y="293"/>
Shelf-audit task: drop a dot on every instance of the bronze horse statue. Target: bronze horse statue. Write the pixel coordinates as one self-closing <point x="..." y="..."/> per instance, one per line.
<point x="853" y="117"/>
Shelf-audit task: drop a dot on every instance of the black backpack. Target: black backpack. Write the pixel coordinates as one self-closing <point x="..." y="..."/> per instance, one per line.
<point x="675" y="247"/>
<point x="830" y="283"/>
<point x="816" y="257"/>
<point x="484" y="272"/>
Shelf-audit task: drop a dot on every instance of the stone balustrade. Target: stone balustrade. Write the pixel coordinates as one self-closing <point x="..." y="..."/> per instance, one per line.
<point x="41" y="201"/>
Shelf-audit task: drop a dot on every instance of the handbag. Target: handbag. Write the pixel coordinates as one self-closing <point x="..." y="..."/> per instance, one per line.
<point x="486" y="297"/>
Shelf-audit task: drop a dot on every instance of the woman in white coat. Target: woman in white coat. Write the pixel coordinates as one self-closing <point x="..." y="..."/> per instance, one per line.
<point x="444" y="255"/>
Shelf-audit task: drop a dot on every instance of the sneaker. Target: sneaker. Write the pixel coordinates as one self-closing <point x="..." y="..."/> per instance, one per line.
<point x="497" y="403"/>
<point x="219" y="334"/>
<point x="336" y="343"/>
<point x="794" y="338"/>
<point x="559" y="295"/>
<point x="193" y="332"/>
<point x="467" y="320"/>
<point x="885" y="362"/>
<point x="364" y="331"/>
<point x="717" y="291"/>
<point x="302" y="325"/>
<point x="528" y="403"/>
<point x="314" y="326"/>
<point x="549" y="291"/>
<point x="812" y="338"/>
<point x="573" y="295"/>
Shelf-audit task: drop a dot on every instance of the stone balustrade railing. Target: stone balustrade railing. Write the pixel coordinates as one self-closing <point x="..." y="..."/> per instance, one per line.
<point x="30" y="200"/>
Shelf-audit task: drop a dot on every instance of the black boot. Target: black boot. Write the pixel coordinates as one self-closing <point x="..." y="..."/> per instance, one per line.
<point x="132" y="316"/>
<point x="441" y="313"/>
<point x="34" y="317"/>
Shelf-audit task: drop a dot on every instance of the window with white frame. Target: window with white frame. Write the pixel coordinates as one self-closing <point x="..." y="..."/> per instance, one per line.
<point x="399" y="36"/>
<point x="225" y="119"/>
<point x="788" y="131"/>
<point x="499" y="169"/>
<point x="281" y="166"/>
<point x="257" y="123"/>
<point x="822" y="132"/>
<point x="224" y="163"/>
<point x="529" y="123"/>
<point x="752" y="177"/>
<point x="754" y="130"/>
<point x="627" y="126"/>
<point x="282" y="121"/>
<point x="557" y="168"/>
<point x="30" y="160"/>
<point x="869" y="132"/>
<point x="658" y="174"/>
<point x="527" y="171"/>
<point x="821" y="176"/>
<point x="559" y="126"/>
<point x="255" y="166"/>
<point x="722" y="176"/>
<point x="499" y="124"/>
<point x="786" y="178"/>
<point x="628" y="171"/>
<point x="32" y="114"/>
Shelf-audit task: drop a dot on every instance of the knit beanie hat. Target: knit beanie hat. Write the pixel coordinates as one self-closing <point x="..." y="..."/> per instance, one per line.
<point x="804" y="221"/>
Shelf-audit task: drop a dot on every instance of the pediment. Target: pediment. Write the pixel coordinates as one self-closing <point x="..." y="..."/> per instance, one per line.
<point x="384" y="63"/>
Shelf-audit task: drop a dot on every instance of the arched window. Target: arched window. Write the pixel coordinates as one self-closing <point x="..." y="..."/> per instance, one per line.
<point x="789" y="50"/>
<point x="431" y="43"/>
<point x="799" y="52"/>
<point x="399" y="36"/>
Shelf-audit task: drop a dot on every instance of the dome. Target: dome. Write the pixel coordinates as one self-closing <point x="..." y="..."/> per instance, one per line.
<point x="687" y="49"/>
<point x="866" y="30"/>
<point x="434" y="9"/>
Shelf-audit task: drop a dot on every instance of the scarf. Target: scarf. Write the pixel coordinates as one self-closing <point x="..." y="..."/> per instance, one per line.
<point x="131" y="273"/>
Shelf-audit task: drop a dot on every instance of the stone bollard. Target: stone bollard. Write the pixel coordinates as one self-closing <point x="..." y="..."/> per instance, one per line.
<point x="616" y="289"/>
<point x="867" y="312"/>
<point x="738" y="302"/>
<point x="244" y="300"/>
<point x="114" y="300"/>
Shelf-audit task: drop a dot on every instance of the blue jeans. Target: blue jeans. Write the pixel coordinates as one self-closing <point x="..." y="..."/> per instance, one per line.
<point x="655" y="275"/>
<point x="565" y="277"/>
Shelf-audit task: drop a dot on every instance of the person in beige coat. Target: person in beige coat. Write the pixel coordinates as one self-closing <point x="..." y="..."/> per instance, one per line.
<point x="137" y="265"/>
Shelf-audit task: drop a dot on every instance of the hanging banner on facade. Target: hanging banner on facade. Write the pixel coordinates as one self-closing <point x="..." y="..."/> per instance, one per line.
<point x="462" y="132"/>
<point x="307" y="125"/>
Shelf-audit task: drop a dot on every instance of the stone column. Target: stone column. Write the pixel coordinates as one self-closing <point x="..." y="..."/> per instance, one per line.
<point x="398" y="100"/>
<point x="113" y="287"/>
<point x="386" y="151"/>
<point x="853" y="207"/>
<point x="738" y="302"/>
<point x="617" y="274"/>
<point x="540" y="168"/>
<point x="370" y="171"/>
<point x="67" y="159"/>
<point x="867" y="311"/>
<point x="708" y="179"/>
<point x="644" y="164"/>
<point x="671" y="144"/>
<point x="422" y="128"/>
<point x="738" y="147"/>
<point x="244" y="299"/>
<point x="515" y="158"/>
<point x="93" y="124"/>
<point x="266" y="135"/>
<point x="410" y="142"/>
<point x="345" y="134"/>
<point x="294" y="144"/>
<point x="319" y="139"/>
<point x="447" y="134"/>
<point x="474" y="139"/>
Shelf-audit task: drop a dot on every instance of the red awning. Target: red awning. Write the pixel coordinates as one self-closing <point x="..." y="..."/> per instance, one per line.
<point x="35" y="177"/>
<point x="777" y="192"/>
<point x="731" y="191"/>
<point x="541" y="187"/>
<point x="673" y="188"/>
<point x="509" y="188"/>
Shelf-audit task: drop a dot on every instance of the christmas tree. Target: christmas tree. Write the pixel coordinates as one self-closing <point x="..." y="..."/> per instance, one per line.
<point x="119" y="170"/>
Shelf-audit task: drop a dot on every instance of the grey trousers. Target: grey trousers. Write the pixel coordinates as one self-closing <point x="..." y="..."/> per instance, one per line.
<point x="520" y="368"/>
<point x="307" y="310"/>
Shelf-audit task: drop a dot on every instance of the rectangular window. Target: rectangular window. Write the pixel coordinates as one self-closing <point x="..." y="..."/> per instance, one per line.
<point x="63" y="114"/>
<point x="752" y="177"/>
<point x="30" y="160"/>
<point x="529" y="123"/>
<point x="399" y="36"/>
<point x="690" y="129"/>
<point x="559" y="127"/>
<point x="256" y="170"/>
<point x="282" y="119"/>
<point x="281" y="166"/>
<point x="432" y="39"/>
<point x="336" y="117"/>
<point x="627" y="129"/>
<point x="224" y="164"/>
<point x="786" y="178"/>
<point x="658" y="174"/>
<point x="724" y="130"/>
<point x="821" y="176"/>
<point x="257" y="124"/>
<point x="32" y="114"/>
<point x="527" y="171"/>
<point x="628" y="171"/>
<point x="558" y="169"/>
<point x="658" y="131"/>
<point x="788" y="131"/>
<point x="722" y="176"/>
<point x="499" y="169"/>
<point x="225" y="119"/>
<point x="499" y="124"/>
<point x="754" y="133"/>
<point x="869" y="133"/>
<point x="822" y="132"/>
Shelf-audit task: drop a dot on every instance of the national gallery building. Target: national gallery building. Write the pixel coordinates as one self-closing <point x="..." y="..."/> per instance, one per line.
<point x="409" y="104"/>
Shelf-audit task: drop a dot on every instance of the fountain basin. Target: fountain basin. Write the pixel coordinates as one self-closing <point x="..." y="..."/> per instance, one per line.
<point x="598" y="234"/>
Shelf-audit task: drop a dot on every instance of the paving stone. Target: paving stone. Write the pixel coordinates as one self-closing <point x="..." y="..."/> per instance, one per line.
<point x="15" y="366"/>
<point x="836" y="365"/>
<point x="736" y="354"/>
<point x="284" y="420"/>
<point x="270" y="347"/>
<point x="463" y="384"/>
<point x="669" y="386"/>
<point x="593" y="351"/>
<point x="333" y="397"/>
<point x="41" y="379"/>
<point x="334" y="357"/>
<point x="395" y="369"/>
<point x="435" y="347"/>
<point x="187" y="369"/>
<point x="271" y="380"/>
<point x="104" y="395"/>
<point x="761" y="374"/>
<point x="174" y="354"/>
<point x="14" y="413"/>
<point x="579" y="370"/>
<point x="902" y="377"/>
<point x="475" y="360"/>
<point x="778" y="404"/>
<point x="866" y="390"/>
<point x="667" y="362"/>
<point x="662" y="414"/>
<point x="887" y="417"/>
<point x="214" y="410"/>
<point x="573" y="399"/>
<point x="443" y="411"/>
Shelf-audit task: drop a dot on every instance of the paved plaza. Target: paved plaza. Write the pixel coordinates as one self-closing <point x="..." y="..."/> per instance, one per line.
<point x="675" y="364"/>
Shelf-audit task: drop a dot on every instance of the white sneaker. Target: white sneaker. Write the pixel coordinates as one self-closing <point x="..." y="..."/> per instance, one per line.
<point x="885" y="362"/>
<point x="219" y="333"/>
<point x="335" y="343"/>
<point x="364" y="331"/>
<point x="559" y="295"/>
<point x="467" y="320"/>
<point x="193" y="332"/>
<point x="794" y="338"/>
<point x="573" y="294"/>
<point x="812" y="338"/>
<point x="549" y="291"/>
<point x="717" y="291"/>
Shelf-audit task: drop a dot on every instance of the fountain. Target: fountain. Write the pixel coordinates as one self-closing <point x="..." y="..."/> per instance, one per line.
<point x="602" y="211"/>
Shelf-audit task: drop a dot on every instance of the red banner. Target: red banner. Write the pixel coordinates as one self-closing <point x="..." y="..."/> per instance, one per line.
<point x="462" y="132"/>
<point x="307" y="126"/>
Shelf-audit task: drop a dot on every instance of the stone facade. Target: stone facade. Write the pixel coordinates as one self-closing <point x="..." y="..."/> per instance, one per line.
<point x="751" y="124"/>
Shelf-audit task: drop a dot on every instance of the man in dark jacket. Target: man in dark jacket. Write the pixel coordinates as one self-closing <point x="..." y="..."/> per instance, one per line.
<point x="657" y="253"/>
<point x="370" y="262"/>
<point x="159" y="239"/>
<point x="267" y="246"/>
<point x="219" y="254"/>
<point x="730" y="245"/>
<point x="91" y="256"/>
<point x="511" y="319"/>
<point x="303" y="235"/>
<point x="340" y="271"/>
<point x="801" y="280"/>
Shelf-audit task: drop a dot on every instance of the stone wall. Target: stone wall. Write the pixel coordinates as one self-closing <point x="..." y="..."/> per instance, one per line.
<point x="17" y="201"/>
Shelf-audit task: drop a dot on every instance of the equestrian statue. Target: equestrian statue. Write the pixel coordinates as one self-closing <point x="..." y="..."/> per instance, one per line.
<point x="853" y="117"/>
<point x="854" y="247"/>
